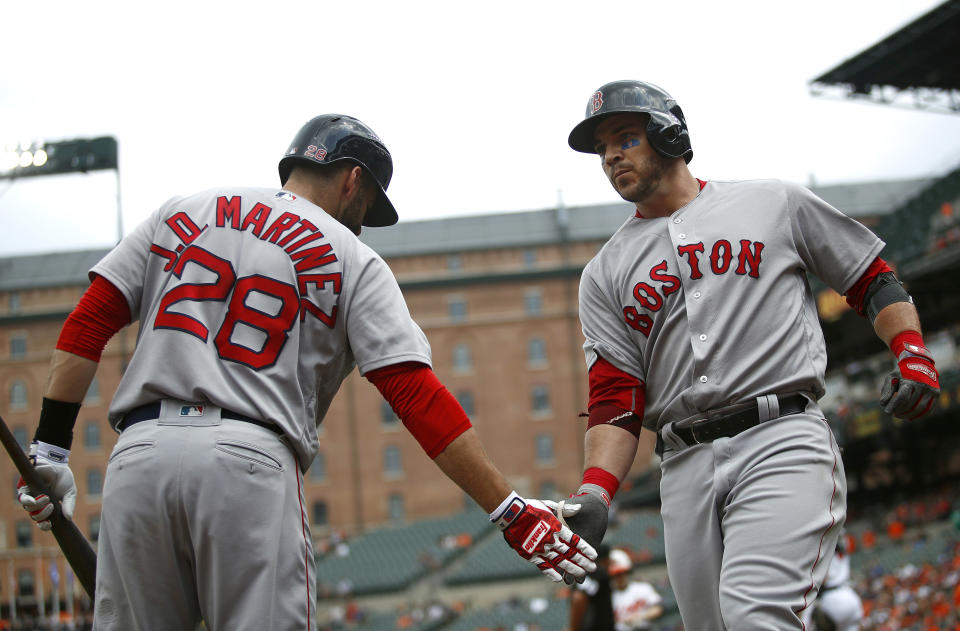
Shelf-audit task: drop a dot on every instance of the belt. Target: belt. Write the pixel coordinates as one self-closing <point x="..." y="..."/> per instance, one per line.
<point x="728" y="425"/>
<point x="151" y="411"/>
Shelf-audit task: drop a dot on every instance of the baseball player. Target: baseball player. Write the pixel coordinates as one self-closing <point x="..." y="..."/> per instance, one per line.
<point x="635" y="603"/>
<point x="254" y="304"/>
<point x="838" y="607"/>
<point x="700" y="325"/>
<point x="591" y="602"/>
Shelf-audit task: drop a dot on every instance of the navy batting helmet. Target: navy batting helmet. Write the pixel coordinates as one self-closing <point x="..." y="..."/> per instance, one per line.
<point x="333" y="137"/>
<point x="666" y="130"/>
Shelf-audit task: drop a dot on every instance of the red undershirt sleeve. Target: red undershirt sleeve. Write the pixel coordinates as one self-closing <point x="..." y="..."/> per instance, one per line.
<point x="101" y="312"/>
<point x="858" y="291"/>
<point x="616" y="398"/>
<point x="428" y="410"/>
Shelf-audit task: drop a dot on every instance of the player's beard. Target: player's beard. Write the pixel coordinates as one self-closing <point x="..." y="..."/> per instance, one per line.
<point x="353" y="213"/>
<point x="648" y="175"/>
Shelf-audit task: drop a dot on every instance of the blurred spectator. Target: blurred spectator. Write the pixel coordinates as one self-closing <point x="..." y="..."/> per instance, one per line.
<point x="837" y="607"/>
<point x="635" y="603"/>
<point x="591" y="604"/>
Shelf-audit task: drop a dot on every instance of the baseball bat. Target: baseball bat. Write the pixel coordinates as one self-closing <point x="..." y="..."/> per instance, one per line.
<point x="76" y="548"/>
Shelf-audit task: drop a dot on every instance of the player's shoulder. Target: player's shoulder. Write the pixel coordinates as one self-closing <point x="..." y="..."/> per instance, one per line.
<point x="604" y="253"/>
<point x="201" y="198"/>
<point x="760" y="184"/>
<point x="625" y="238"/>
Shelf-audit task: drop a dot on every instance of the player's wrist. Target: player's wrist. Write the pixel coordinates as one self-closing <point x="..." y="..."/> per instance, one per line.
<point x="508" y="510"/>
<point x="48" y="452"/>
<point x="909" y="341"/>
<point x="57" y="419"/>
<point x="597" y="480"/>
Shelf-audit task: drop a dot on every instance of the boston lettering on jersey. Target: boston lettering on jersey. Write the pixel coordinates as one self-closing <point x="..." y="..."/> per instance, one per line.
<point x="651" y="297"/>
<point x="299" y="233"/>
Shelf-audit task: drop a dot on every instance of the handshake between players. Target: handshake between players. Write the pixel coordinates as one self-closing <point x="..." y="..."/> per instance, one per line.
<point x="537" y="530"/>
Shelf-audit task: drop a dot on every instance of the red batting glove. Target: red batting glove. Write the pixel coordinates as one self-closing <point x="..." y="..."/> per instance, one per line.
<point x="531" y="528"/>
<point x="910" y="390"/>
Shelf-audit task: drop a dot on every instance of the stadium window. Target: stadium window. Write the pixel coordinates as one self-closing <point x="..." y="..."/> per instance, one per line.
<point x="18" y="346"/>
<point x="18" y="395"/>
<point x="465" y="399"/>
<point x="93" y="392"/>
<point x="454" y="264"/>
<point x="13" y="301"/>
<point x="24" y="534"/>
<point x="25" y="583"/>
<point x="21" y="436"/>
<point x="387" y="417"/>
<point x="536" y="351"/>
<point x="320" y="516"/>
<point x="529" y="257"/>
<point x="544" y="449"/>
<point x="462" y="359"/>
<point x="94" y="527"/>
<point x="548" y="490"/>
<point x="91" y="435"/>
<point x="318" y="470"/>
<point x="540" y="399"/>
<point x="94" y="482"/>
<point x="392" y="465"/>
<point x="395" y="507"/>
<point x="457" y="308"/>
<point x="533" y="301"/>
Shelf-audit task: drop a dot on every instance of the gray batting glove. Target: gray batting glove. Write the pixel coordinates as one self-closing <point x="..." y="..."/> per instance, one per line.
<point x="50" y="462"/>
<point x="586" y="514"/>
<point x="905" y="398"/>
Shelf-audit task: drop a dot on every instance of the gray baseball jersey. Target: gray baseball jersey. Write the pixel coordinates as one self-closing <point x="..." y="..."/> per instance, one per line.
<point x="259" y="302"/>
<point x="719" y="289"/>
<point x="711" y="308"/>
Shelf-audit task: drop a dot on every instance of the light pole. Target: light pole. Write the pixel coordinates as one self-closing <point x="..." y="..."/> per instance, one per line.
<point x="77" y="155"/>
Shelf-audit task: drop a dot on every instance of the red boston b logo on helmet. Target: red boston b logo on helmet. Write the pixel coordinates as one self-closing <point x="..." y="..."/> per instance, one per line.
<point x="597" y="100"/>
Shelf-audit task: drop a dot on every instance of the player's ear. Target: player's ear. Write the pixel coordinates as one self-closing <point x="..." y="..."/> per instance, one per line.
<point x="352" y="183"/>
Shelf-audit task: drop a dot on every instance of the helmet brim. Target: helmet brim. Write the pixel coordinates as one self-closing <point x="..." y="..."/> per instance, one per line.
<point x="381" y="214"/>
<point x="581" y="138"/>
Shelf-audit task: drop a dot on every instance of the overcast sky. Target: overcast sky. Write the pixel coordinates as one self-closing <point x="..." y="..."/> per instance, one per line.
<point x="474" y="101"/>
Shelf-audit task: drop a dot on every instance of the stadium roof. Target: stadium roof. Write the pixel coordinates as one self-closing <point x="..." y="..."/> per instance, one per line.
<point x="53" y="269"/>
<point x="585" y="223"/>
<point x="918" y="65"/>
<point x="475" y="232"/>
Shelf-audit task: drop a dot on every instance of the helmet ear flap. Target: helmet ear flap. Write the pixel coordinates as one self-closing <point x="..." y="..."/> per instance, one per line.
<point x="664" y="132"/>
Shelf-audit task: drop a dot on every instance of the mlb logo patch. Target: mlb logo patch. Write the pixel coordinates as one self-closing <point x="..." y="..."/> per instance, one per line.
<point x="191" y="410"/>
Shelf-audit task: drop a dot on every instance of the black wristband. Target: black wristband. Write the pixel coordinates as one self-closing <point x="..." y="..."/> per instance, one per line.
<point x="57" y="419"/>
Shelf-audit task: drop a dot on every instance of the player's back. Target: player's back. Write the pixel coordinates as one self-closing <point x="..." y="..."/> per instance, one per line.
<point x="237" y="291"/>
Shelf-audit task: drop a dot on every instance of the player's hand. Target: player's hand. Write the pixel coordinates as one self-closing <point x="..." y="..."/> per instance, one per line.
<point x="910" y="390"/>
<point x="531" y="528"/>
<point x="51" y="465"/>
<point x="586" y="514"/>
